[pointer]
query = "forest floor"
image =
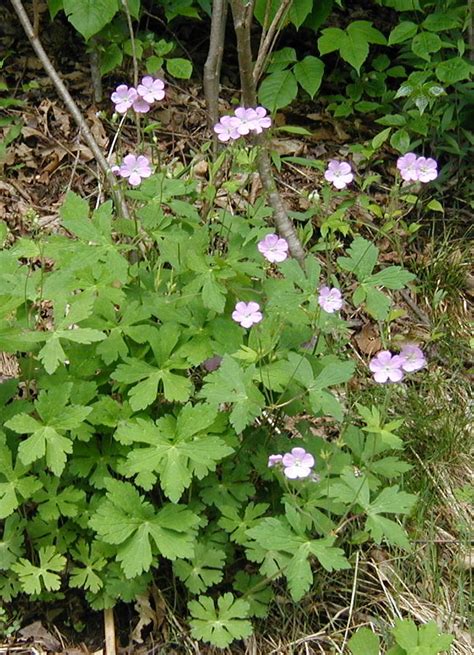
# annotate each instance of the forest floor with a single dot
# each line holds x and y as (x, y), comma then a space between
(45, 157)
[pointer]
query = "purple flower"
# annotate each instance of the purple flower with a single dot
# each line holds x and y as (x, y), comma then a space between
(386, 366)
(141, 106)
(413, 168)
(135, 168)
(273, 460)
(339, 173)
(427, 169)
(246, 120)
(330, 299)
(261, 120)
(407, 165)
(297, 464)
(247, 314)
(273, 248)
(151, 89)
(226, 128)
(123, 98)
(413, 358)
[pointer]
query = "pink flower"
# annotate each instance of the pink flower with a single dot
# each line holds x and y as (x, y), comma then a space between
(339, 173)
(273, 248)
(330, 299)
(252, 120)
(261, 120)
(123, 98)
(386, 366)
(297, 464)
(273, 460)
(151, 89)
(247, 314)
(427, 169)
(135, 168)
(413, 358)
(226, 128)
(407, 165)
(141, 106)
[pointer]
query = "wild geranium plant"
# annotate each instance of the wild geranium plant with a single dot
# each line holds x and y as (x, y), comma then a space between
(151, 437)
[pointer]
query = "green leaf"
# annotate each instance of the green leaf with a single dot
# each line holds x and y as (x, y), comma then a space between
(453, 70)
(52, 354)
(400, 140)
(426, 43)
(11, 544)
(362, 258)
(33, 578)
(90, 16)
(364, 642)
(354, 48)
(406, 634)
(222, 625)
(181, 69)
(231, 384)
(402, 32)
(391, 500)
(380, 138)
(203, 571)
(442, 21)
(125, 519)
(377, 303)
(299, 10)
(309, 74)
(278, 90)
(393, 277)
(331, 39)
(380, 527)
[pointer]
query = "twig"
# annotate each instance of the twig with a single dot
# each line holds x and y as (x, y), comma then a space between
(212, 67)
(266, 43)
(109, 630)
(126, 9)
(284, 225)
(72, 107)
(96, 77)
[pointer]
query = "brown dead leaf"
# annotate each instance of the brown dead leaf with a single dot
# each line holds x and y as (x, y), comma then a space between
(287, 146)
(368, 340)
(39, 635)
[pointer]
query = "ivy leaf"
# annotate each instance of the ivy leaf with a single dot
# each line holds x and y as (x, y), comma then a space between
(222, 625)
(125, 519)
(231, 384)
(204, 570)
(90, 16)
(33, 578)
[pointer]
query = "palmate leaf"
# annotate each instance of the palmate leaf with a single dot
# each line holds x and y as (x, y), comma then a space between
(125, 519)
(232, 384)
(86, 576)
(203, 571)
(362, 258)
(178, 449)
(275, 534)
(11, 543)
(222, 625)
(18, 486)
(34, 578)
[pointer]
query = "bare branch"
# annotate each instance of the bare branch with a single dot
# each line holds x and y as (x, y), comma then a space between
(284, 225)
(72, 107)
(212, 67)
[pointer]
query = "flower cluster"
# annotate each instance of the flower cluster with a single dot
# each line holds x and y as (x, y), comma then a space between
(392, 368)
(296, 464)
(417, 169)
(140, 99)
(244, 121)
(339, 173)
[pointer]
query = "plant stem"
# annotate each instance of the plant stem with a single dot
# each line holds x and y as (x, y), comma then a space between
(212, 67)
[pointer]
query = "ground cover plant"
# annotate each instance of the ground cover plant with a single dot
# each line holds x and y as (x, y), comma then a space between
(189, 413)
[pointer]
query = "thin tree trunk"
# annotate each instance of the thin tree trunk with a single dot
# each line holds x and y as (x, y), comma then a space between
(74, 110)
(212, 67)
